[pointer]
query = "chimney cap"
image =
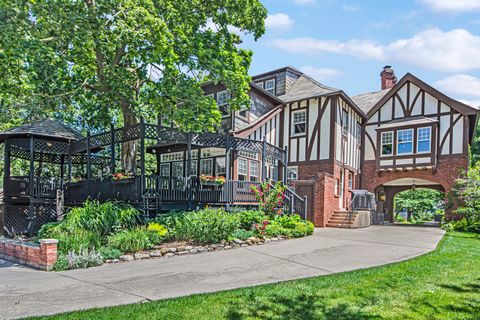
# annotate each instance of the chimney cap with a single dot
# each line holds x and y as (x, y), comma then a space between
(387, 67)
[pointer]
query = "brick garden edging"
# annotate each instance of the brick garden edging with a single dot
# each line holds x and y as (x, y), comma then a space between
(40, 256)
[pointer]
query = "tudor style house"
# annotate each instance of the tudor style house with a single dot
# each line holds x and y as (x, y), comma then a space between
(408, 134)
(325, 145)
(415, 136)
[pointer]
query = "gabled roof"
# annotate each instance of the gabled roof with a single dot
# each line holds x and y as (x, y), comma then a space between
(306, 87)
(44, 128)
(367, 101)
(456, 105)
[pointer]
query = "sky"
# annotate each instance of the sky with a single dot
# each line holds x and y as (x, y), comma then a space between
(345, 44)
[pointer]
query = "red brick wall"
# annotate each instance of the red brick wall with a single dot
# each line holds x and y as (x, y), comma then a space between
(40, 256)
(324, 174)
(447, 171)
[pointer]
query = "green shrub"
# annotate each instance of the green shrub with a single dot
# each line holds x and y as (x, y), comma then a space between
(169, 220)
(76, 240)
(62, 263)
(242, 234)
(134, 240)
(400, 219)
(206, 225)
(249, 217)
(102, 218)
(463, 225)
(275, 229)
(109, 253)
(289, 226)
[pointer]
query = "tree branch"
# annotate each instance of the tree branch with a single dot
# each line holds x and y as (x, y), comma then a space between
(119, 54)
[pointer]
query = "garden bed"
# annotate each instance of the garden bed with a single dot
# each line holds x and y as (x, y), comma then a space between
(114, 232)
(179, 249)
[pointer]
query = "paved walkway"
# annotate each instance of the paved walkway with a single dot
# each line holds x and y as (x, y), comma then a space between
(27, 292)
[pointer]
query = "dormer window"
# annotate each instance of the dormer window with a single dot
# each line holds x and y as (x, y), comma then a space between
(405, 141)
(298, 122)
(270, 86)
(423, 140)
(223, 97)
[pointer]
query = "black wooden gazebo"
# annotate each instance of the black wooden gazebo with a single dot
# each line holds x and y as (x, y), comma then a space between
(29, 196)
(84, 167)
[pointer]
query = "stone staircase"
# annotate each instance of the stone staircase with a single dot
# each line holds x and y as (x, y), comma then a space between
(342, 219)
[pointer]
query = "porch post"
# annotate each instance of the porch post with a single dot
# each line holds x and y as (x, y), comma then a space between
(6, 168)
(62, 169)
(31, 211)
(305, 207)
(89, 163)
(188, 171)
(69, 162)
(227, 170)
(142, 154)
(285, 165)
(112, 148)
(264, 156)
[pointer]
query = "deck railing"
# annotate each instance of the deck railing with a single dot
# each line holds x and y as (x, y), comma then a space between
(19, 187)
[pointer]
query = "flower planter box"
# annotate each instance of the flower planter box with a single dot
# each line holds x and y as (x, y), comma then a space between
(124, 181)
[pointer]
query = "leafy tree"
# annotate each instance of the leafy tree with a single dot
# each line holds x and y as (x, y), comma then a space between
(93, 62)
(467, 191)
(475, 149)
(418, 200)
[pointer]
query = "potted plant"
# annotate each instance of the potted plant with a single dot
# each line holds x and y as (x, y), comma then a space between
(212, 187)
(124, 177)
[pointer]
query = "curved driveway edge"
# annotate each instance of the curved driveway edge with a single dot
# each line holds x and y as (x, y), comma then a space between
(26, 292)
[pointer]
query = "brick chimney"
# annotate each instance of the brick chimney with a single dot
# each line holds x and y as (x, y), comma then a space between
(388, 77)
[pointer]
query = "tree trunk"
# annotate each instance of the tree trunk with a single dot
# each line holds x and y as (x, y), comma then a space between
(129, 148)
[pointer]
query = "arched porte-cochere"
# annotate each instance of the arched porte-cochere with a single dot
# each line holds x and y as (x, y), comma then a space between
(385, 193)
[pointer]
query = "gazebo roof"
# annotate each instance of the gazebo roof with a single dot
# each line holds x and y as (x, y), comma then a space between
(49, 128)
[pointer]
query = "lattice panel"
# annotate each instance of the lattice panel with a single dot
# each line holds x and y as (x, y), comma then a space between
(20, 143)
(94, 160)
(210, 140)
(128, 133)
(44, 157)
(247, 145)
(17, 221)
(100, 140)
(50, 146)
(151, 131)
(275, 153)
(172, 135)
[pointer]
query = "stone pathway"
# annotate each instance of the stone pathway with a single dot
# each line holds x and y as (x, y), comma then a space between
(27, 292)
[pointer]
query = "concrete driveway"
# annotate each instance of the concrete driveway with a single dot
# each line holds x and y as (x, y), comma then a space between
(26, 292)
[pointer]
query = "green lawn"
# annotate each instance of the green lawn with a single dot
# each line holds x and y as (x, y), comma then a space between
(444, 284)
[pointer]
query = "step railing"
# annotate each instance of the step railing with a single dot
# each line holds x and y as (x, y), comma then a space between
(296, 204)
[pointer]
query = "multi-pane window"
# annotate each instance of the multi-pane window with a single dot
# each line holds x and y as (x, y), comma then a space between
(206, 166)
(194, 154)
(274, 173)
(165, 169)
(346, 121)
(350, 180)
(242, 168)
(260, 84)
(212, 152)
(247, 154)
(292, 173)
(223, 97)
(177, 169)
(299, 122)
(270, 86)
(220, 167)
(175, 156)
(193, 168)
(423, 139)
(387, 143)
(254, 168)
(405, 141)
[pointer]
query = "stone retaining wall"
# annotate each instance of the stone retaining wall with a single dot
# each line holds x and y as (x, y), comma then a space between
(40, 256)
